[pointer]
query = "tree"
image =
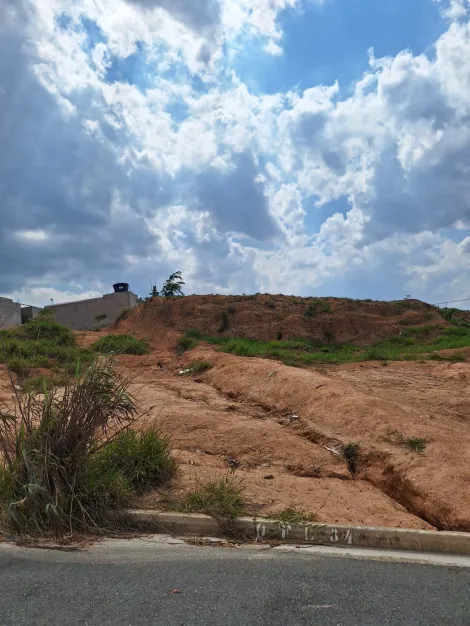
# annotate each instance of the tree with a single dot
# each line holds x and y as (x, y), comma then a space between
(154, 293)
(172, 286)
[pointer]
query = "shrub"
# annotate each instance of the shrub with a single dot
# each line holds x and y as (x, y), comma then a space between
(375, 354)
(270, 304)
(416, 444)
(327, 308)
(351, 454)
(221, 498)
(143, 458)
(279, 335)
(121, 344)
(101, 317)
(185, 343)
(457, 357)
(48, 453)
(44, 327)
(22, 366)
(311, 310)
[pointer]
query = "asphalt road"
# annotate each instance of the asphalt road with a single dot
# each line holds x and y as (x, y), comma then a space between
(130, 583)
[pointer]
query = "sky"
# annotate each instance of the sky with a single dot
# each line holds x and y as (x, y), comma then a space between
(308, 147)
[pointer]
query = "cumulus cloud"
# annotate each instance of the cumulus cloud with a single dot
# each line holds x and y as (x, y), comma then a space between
(180, 165)
(398, 148)
(203, 16)
(236, 200)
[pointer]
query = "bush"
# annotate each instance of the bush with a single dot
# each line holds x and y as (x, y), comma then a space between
(310, 311)
(185, 343)
(375, 354)
(50, 471)
(23, 366)
(44, 327)
(143, 458)
(121, 344)
(351, 454)
(219, 498)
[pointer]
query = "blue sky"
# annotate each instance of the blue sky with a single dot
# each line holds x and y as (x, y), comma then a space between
(326, 43)
(315, 147)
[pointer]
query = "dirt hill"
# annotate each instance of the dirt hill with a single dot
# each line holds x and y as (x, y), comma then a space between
(266, 317)
(287, 427)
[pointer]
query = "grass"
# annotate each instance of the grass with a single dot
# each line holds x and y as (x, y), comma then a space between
(67, 458)
(291, 515)
(413, 343)
(185, 343)
(42, 343)
(414, 444)
(222, 499)
(143, 458)
(192, 333)
(43, 384)
(121, 344)
(199, 366)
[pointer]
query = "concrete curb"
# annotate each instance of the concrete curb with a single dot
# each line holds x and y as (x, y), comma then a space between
(312, 533)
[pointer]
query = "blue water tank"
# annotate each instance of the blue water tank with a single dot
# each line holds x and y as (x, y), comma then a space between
(119, 287)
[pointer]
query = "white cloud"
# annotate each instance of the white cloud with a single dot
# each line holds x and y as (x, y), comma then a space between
(32, 235)
(192, 170)
(42, 296)
(273, 49)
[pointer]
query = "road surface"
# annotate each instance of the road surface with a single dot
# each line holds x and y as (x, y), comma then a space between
(132, 583)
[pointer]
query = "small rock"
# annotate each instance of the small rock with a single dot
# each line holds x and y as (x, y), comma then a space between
(269, 477)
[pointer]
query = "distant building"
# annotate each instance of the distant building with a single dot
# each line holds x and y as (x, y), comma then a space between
(10, 313)
(96, 312)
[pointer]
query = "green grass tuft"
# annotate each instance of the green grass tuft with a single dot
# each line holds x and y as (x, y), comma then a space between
(221, 499)
(121, 344)
(199, 366)
(414, 444)
(143, 458)
(185, 343)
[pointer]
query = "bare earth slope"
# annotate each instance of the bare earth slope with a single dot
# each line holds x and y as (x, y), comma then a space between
(284, 424)
(263, 317)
